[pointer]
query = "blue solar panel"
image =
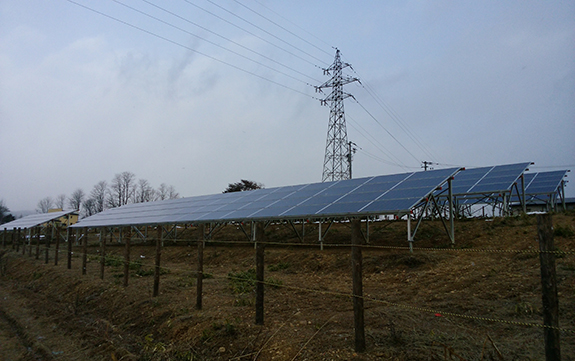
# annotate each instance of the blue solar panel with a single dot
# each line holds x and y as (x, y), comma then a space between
(487, 180)
(362, 196)
(541, 185)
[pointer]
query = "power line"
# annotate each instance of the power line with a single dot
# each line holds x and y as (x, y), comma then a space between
(263, 30)
(225, 38)
(189, 48)
(281, 27)
(252, 33)
(373, 140)
(211, 42)
(395, 117)
(387, 131)
(368, 88)
(294, 24)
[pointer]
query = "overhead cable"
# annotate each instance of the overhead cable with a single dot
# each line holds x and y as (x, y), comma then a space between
(211, 42)
(262, 29)
(387, 131)
(253, 34)
(281, 27)
(189, 48)
(375, 142)
(222, 37)
(297, 26)
(395, 117)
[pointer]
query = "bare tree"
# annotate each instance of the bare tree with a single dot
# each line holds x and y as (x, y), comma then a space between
(122, 189)
(89, 207)
(60, 201)
(45, 204)
(144, 192)
(76, 199)
(172, 194)
(166, 192)
(98, 196)
(162, 192)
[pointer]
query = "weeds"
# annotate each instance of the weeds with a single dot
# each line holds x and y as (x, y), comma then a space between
(525, 308)
(227, 328)
(245, 281)
(563, 231)
(278, 266)
(113, 261)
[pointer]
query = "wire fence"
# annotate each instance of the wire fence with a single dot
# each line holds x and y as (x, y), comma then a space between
(443, 313)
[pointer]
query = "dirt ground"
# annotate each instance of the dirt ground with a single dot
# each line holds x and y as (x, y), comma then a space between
(436, 303)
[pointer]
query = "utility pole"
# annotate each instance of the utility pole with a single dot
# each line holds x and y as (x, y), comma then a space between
(337, 160)
(350, 152)
(426, 165)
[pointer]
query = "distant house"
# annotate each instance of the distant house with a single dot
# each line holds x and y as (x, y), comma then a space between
(66, 220)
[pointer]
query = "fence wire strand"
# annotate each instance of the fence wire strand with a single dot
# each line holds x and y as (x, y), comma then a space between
(342, 294)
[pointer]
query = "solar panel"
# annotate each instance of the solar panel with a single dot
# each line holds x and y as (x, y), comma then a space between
(541, 184)
(390, 194)
(487, 180)
(34, 220)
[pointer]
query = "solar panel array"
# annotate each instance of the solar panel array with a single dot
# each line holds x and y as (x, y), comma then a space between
(541, 184)
(34, 220)
(389, 194)
(488, 180)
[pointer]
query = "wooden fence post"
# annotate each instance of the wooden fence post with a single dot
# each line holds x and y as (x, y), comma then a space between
(84, 250)
(260, 246)
(24, 241)
(47, 244)
(200, 273)
(57, 246)
(18, 239)
(356, 269)
(127, 237)
(102, 251)
(33, 233)
(38, 234)
(157, 267)
(549, 287)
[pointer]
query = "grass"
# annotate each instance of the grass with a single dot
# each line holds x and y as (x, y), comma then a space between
(245, 281)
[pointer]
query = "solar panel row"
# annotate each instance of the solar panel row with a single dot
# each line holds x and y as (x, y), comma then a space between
(34, 220)
(496, 179)
(541, 184)
(388, 194)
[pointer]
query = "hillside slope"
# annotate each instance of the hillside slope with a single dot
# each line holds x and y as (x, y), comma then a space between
(433, 304)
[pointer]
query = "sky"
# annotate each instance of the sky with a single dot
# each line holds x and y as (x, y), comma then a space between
(202, 93)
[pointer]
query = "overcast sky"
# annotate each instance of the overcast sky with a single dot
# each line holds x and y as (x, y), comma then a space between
(197, 96)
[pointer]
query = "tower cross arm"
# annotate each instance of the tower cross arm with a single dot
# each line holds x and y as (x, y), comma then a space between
(335, 96)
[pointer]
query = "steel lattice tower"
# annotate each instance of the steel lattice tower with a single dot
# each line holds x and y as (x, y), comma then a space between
(338, 152)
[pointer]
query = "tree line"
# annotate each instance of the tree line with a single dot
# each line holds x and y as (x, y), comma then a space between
(124, 188)
(5, 215)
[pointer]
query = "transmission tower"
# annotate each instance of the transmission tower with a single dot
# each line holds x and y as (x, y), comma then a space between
(337, 160)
